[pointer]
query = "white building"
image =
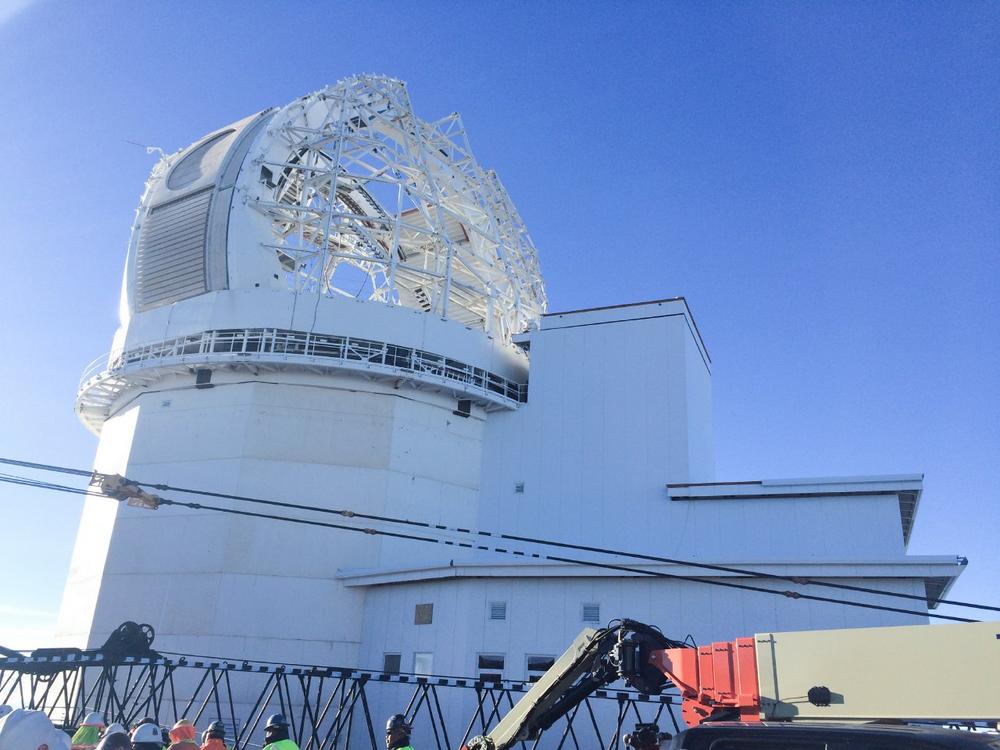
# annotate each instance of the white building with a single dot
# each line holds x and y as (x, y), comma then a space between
(374, 351)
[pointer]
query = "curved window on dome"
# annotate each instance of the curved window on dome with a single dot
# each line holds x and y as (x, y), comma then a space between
(192, 167)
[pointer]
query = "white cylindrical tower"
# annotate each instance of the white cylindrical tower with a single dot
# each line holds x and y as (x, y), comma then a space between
(318, 307)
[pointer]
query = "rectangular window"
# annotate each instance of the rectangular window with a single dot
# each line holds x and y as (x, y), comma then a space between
(591, 613)
(489, 667)
(423, 614)
(498, 610)
(537, 666)
(391, 663)
(423, 663)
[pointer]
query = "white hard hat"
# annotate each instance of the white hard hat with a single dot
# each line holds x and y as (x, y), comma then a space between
(114, 728)
(22, 729)
(93, 719)
(4, 710)
(145, 733)
(61, 741)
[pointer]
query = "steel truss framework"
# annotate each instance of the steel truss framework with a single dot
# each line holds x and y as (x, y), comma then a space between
(327, 707)
(367, 200)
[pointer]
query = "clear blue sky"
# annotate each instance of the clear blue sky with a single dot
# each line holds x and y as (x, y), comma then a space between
(820, 180)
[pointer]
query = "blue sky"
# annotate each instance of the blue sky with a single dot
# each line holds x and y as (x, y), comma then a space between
(820, 180)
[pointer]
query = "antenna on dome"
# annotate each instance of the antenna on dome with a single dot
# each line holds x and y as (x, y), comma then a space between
(149, 149)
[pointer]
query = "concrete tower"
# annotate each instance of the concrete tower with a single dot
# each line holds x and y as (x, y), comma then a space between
(319, 304)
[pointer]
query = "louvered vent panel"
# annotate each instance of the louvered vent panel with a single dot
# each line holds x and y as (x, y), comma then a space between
(498, 610)
(170, 262)
(592, 613)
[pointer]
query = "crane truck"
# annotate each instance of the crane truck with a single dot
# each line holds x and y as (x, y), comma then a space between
(887, 688)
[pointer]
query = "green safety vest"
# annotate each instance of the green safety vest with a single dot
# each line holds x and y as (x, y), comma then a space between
(282, 745)
(87, 735)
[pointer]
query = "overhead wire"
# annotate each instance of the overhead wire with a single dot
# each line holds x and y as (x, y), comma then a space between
(347, 513)
(488, 548)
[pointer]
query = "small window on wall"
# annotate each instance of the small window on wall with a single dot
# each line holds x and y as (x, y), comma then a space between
(391, 663)
(591, 613)
(423, 614)
(498, 610)
(538, 665)
(489, 667)
(423, 663)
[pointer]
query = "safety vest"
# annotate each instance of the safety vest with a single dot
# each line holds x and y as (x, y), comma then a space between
(86, 736)
(282, 745)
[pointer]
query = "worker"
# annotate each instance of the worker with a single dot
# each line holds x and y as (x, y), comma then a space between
(182, 736)
(115, 738)
(397, 733)
(276, 734)
(89, 733)
(23, 729)
(214, 737)
(147, 737)
(145, 720)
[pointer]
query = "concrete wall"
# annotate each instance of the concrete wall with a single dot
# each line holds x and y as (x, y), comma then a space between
(222, 584)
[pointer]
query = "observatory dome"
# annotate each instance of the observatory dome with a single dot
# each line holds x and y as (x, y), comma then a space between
(337, 235)
(343, 192)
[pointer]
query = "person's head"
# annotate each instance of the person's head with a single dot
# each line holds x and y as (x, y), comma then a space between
(147, 737)
(276, 729)
(165, 736)
(93, 719)
(31, 730)
(183, 731)
(114, 728)
(216, 731)
(397, 732)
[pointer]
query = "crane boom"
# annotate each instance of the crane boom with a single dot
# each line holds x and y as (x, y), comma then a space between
(916, 673)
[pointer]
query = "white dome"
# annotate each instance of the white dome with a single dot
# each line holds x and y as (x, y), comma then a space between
(344, 192)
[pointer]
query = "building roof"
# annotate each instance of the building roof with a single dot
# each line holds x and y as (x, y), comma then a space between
(938, 572)
(906, 487)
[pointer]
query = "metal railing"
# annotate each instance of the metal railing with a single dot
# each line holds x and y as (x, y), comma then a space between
(276, 345)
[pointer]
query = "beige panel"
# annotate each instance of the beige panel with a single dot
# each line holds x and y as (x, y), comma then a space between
(909, 672)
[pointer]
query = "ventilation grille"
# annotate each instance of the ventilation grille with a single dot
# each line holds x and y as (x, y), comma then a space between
(170, 260)
(498, 610)
(592, 613)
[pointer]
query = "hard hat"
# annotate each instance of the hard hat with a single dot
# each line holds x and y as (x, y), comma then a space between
(216, 729)
(4, 710)
(93, 719)
(183, 723)
(22, 728)
(114, 728)
(147, 733)
(276, 720)
(397, 721)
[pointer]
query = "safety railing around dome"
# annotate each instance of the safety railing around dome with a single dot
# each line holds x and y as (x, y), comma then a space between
(287, 345)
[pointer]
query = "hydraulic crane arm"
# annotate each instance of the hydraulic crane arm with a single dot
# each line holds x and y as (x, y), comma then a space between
(918, 673)
(595, 658)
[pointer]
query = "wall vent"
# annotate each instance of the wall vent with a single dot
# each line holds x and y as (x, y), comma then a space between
(170, 257)
(591, 613)
(498, 610)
